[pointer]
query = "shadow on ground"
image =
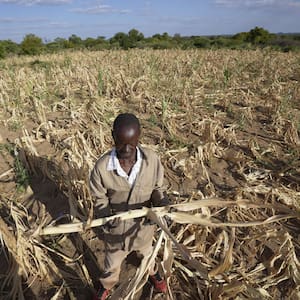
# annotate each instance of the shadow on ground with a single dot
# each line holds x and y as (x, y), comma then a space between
(81, 275)
(50, 194)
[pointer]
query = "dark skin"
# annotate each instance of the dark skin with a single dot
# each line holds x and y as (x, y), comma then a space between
(126, 139)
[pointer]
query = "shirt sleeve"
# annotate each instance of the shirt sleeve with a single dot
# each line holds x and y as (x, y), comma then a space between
(159, 195)
(98, 192)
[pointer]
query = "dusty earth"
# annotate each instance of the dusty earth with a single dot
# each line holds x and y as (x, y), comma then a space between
(233, 138)
(44, 199)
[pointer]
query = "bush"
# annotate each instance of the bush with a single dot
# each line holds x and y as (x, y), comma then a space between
(32, 45)
(2, 51)
(201, 42)
(259, 35)
(161, 44)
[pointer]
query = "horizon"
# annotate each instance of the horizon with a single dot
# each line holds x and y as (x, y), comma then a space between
(50, 19)
(46, 41)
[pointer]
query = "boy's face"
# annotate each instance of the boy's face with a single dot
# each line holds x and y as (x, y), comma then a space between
(126, 139)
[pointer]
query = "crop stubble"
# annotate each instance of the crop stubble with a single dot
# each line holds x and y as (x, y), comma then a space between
(226, 124)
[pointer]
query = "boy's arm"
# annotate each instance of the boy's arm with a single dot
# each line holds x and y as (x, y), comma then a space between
(101, 204)
(159, 196)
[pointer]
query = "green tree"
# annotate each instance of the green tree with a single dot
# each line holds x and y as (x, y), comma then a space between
(89, 42)
(2, 51)
(165, 36)
(160, 44)
(241, 37)
(96, 44)
(120, 39)
(75, 40)
(10, 47)
(135, 36)
(56, 45)
(181, 42)
(32, 45)
(201, 42)
(220, 42)
(259, 35)
(101, 43)
(157, 36)
(162, 41)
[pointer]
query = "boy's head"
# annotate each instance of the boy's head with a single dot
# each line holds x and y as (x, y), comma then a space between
(126, 132)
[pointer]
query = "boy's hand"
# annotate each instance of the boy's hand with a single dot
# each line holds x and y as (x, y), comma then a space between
(148, 222)
(113, 223)
(157, 199)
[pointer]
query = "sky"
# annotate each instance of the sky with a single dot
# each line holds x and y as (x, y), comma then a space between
(91, 18)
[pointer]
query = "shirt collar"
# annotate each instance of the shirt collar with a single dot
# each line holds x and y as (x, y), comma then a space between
(114, 164)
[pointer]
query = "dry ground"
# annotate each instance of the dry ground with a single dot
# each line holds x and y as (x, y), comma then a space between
(226, 124)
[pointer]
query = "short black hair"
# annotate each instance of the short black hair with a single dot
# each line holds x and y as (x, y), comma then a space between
(126, 119)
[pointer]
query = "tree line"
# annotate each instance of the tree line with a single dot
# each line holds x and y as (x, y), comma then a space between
(256, 37)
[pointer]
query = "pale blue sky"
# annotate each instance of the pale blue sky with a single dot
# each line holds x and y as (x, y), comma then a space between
(61, 18)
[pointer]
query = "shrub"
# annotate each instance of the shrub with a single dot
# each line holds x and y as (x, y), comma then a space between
(32, 45)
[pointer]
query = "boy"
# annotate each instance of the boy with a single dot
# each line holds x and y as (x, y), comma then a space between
(127, 177)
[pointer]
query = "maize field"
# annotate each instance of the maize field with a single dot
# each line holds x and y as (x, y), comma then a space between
(226, 124)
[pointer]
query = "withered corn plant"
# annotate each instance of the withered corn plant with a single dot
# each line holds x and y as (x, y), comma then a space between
(226, 124)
